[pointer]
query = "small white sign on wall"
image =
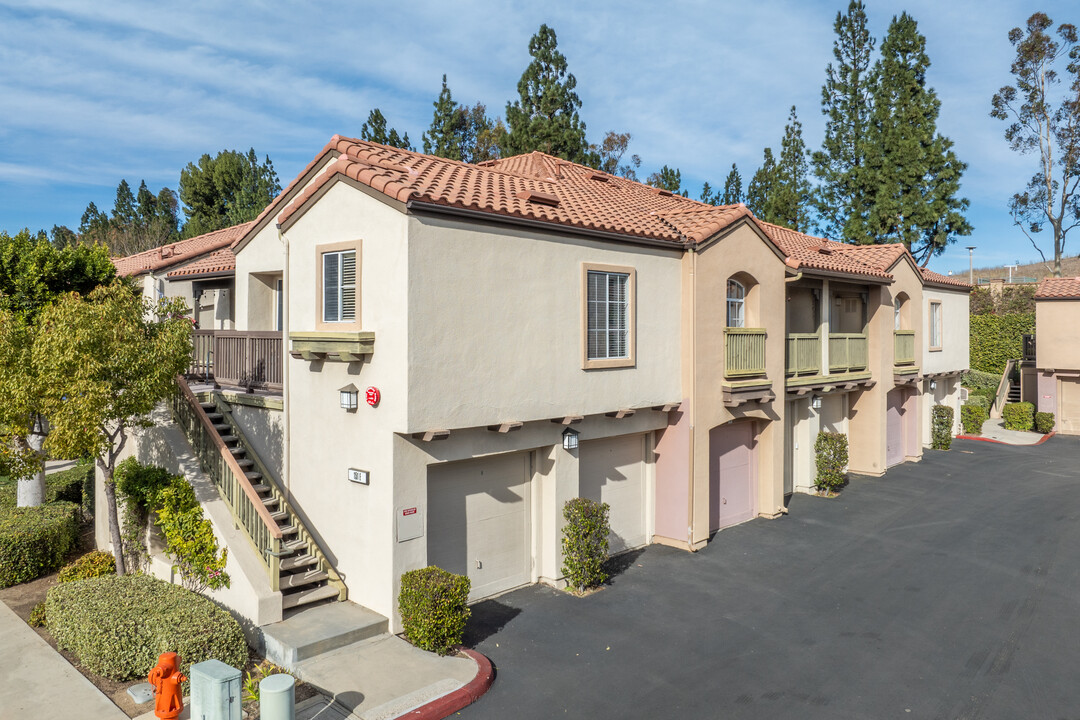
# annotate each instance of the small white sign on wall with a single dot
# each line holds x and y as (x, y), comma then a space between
(410, 523)
(363, 477)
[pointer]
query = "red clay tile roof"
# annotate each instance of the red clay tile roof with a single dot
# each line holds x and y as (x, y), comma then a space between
(1055, 288)
(814, 253)
(217, 262)
(178, 252)
(938, 279)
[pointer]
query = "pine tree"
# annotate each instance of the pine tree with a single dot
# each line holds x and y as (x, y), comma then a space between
(733, 192)
(545, 118)
(94, 226)
(123, 213)
(761, 192)
(375, 130)
(669, 179)
(840, 199)
(227, 189)
(916, 174)
(791, 196)
(449, 125)
(483, 135)
(707, 195)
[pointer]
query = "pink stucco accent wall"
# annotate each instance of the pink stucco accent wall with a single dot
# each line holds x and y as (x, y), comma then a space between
(673, 476)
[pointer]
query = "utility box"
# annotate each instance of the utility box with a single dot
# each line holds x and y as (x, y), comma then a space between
(215, 691)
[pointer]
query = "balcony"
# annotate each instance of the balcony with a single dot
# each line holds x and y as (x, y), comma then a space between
(1029, 347)
(803, 354)
(904, 347)
(744, 352)
(241, 359)
(848, 352)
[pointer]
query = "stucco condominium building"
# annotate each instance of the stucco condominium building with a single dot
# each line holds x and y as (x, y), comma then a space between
(1057, 351)
(528, 330)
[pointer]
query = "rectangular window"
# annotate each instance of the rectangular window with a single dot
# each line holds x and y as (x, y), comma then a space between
(280, 315)
(935, 326)
(339, 286)
(608, 313)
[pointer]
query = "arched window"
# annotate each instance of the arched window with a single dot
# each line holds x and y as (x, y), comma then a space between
(736, 304)
(897, 304)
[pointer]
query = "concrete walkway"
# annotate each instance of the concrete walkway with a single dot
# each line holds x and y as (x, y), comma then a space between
(37, 682)
(994, 429)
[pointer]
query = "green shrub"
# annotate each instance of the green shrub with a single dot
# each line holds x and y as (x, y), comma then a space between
(34, 541)
(138, 488)
(980, 400)
(972, 418)
(92, 564)
(996, 339)
(117, 626)
(75, 485)
(434, 608)
(978, 380)
(189, 539)
(1044, 422)
(831, 452)
(941, 427)
(585, 542)
(37, 616)
(1018, 416)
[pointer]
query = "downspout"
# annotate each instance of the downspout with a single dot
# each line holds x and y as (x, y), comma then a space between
(794, 278)
(692, 394)
(286, 455)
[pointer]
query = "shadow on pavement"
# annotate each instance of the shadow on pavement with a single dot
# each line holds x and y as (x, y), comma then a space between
(488, 618)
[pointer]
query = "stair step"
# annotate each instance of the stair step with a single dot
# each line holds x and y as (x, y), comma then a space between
(308, 596)
(312, 630)
(295, 562)
(279, 515)
(215, 416)
(227, 439)
(269, 500)
(222, 427)
(245, 462)
(253, 476)
(236, 451)
(294, 546)
(287, 529)
(290, 582)
(208, 406)
(260, 487)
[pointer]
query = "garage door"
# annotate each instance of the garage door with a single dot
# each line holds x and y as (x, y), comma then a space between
(1068, 419)
(731, 475)
(894, 428)
(612, 470)
(478, 521)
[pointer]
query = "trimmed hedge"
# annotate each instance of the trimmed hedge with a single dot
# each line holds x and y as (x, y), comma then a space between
(1018, 416)
(941, 427)
(980, 400)
(92, 564)
(585, 542)
(978, 380)
(996, 339)
(75, 485)
(434, 608)
(118, 625)
(972, 418)
(1044, 422)
(831, 451)
(34, 541)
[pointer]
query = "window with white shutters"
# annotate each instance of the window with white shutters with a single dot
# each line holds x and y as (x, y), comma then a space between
(608, 334)
(339, 286)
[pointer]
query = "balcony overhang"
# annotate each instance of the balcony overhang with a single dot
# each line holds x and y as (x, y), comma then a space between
(746, 391)
(906, 375)
(825, 384)
(331, 346)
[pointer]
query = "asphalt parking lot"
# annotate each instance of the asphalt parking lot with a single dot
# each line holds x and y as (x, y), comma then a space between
(948, 588)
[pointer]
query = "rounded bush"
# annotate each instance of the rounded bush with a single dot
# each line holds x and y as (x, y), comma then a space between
(585, 542)
(972, 418)
(980, 400)
(117, 626)
(34, 541)
(1018, 416)
(831, 451)
(1044, 422)
(941, 427)
(434, 608)
(91, 565)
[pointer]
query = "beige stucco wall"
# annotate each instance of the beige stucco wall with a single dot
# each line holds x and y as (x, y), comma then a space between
(955, 333)
(1057, 342)
(945, 392)
(495, 326)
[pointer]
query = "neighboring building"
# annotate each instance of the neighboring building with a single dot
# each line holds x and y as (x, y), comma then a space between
(1057, 351)
(529, 330)
(946, 346)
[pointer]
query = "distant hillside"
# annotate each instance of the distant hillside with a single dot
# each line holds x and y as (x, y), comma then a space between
(1070, 267)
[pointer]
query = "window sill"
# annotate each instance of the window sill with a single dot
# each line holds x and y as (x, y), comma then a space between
(607, 363)
(331, 346)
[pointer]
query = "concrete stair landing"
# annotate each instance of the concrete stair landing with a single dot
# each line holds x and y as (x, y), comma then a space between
(313, 630)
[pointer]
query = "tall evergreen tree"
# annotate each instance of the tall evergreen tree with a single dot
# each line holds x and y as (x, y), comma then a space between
(733, 191)
(707, 195)
(761, 192)
(230, 188)
(915, 173)
(123, 213)
(94, 226)
(845, 101)
(449, 124)
(483, 135)
(791, 196)
(375, 130)
(545, 118)
(669, 179)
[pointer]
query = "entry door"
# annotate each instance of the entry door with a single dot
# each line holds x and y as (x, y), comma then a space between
(731, 475)
(797, 451)
(894, 428)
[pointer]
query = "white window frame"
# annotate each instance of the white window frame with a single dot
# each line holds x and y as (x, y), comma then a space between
(617, 313)
(736, 303)
(936, 339)
(339, 287)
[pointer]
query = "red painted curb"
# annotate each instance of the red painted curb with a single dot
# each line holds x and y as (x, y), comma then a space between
(450, 703)
(1043, 439)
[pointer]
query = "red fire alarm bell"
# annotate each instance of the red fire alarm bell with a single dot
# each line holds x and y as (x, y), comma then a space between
(372, 396)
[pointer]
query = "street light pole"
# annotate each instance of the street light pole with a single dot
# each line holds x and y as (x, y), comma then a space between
(971, 266)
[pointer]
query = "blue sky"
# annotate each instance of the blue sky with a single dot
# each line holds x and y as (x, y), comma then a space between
(92, 92)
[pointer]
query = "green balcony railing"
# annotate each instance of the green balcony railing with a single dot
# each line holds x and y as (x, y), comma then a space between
(744, 352)
(803, 354)
(904, 347)
(848, 352)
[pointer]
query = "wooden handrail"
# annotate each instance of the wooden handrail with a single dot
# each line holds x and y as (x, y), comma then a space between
(241, 477)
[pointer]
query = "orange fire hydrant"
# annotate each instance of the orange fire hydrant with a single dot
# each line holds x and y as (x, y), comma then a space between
(166, 679)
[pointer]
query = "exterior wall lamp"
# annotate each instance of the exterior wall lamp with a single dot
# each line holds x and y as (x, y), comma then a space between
(815, 402)
(349, 397)
(570, 439)
(933, 384)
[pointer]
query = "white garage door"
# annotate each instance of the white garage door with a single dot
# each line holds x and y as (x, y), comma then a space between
(478, 521)
(612, 470)
(1068, 420)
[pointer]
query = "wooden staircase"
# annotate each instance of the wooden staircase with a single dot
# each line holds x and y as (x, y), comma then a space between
(296, 565)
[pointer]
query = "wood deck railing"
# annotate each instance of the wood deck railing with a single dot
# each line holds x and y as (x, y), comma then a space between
(803, 353)
(249, 359)
(848, 352)
(744, 352)
(218, 463)
(904, 347)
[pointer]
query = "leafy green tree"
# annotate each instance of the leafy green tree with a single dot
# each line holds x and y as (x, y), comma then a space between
(375, 130)
(841, 196)
(225, 190)
(545, 118)
(667, 179)
(62, 236)
(33, 272)
(610, 152)
(733, 190)
(1047, 124)
(761, 192)
(483, 135)
(915, 173)
(105, 360)
(791, 198)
